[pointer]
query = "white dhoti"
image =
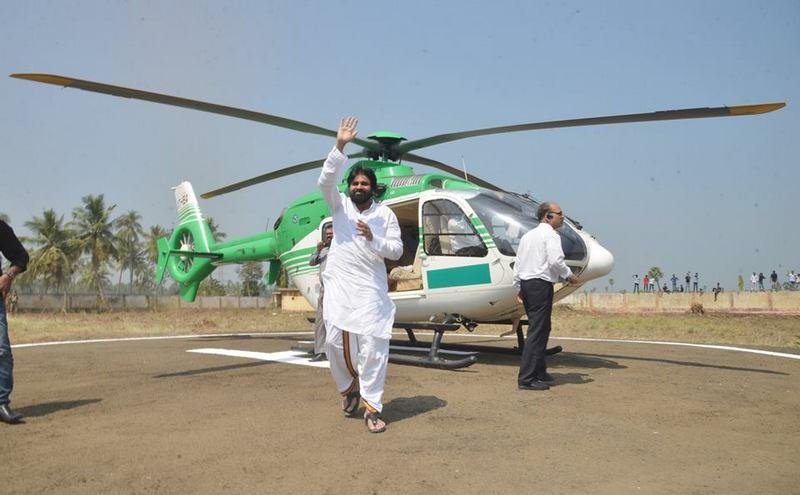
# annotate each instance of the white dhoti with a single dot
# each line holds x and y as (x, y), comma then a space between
(357, 310)
(358, 362)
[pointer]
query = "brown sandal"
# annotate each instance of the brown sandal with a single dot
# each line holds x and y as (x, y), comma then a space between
(371, 419)
(350, 404)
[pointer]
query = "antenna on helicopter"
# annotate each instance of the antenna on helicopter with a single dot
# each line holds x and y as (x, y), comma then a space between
(464, 166)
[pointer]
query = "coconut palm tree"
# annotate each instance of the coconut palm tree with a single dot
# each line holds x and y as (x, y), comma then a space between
(155, 233)
(146, 272)
(214, 228)
(214, 287)
(130, 254)
(54, 257)
(93, 226)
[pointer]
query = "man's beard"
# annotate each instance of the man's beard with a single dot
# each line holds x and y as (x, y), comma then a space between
(360, 197)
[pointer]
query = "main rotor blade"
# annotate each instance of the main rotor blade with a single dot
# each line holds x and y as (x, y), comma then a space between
(277, 174)
(447, 168)
(294, 169)
(202, 106)
(688, 113)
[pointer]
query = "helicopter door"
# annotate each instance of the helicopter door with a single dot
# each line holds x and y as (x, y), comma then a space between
(405, 273)
(453, 255)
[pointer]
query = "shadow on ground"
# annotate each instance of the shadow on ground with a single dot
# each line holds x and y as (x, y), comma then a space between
(214, 369)
(51, 407)
(402, 408)
(678, 363)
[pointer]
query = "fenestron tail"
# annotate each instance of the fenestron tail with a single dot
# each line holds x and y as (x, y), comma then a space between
(187, 254)
(191, 253)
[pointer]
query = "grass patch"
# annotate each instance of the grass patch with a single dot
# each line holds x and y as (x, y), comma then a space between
(49, 327)
(765, 330)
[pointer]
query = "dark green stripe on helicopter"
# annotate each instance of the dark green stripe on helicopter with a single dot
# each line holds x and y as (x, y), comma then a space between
(459, 276)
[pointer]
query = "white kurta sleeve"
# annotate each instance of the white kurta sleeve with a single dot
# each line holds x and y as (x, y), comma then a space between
(329, 177)
(389, 246)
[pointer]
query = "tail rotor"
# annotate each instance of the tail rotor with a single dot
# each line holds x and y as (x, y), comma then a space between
(187, 253)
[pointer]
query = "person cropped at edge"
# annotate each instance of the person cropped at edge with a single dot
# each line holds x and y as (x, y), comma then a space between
(357, 309)
(14, 252)
(319, 258)
(539, 264)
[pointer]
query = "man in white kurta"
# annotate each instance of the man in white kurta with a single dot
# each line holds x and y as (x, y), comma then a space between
(357, 310)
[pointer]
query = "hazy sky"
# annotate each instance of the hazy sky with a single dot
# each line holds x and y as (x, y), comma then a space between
(718, 196)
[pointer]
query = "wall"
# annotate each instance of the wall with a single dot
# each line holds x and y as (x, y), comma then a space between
(779, 302)
(290, 300)
(54, 302)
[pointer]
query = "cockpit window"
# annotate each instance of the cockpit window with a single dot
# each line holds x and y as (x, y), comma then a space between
(508, 217)
(446, 231)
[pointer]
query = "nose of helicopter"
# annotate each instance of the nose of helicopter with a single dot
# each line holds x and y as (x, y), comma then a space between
(600, 263)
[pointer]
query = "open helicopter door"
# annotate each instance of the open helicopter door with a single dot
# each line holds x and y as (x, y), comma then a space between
(457, 264)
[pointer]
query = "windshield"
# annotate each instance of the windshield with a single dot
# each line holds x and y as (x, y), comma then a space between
(509, 216)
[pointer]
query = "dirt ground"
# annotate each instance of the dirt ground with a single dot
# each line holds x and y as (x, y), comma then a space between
(149, 417)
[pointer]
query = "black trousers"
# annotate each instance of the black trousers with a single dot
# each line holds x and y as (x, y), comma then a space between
(537, 298)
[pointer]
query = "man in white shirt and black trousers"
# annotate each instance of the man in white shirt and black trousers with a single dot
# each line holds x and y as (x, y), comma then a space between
(539, 264)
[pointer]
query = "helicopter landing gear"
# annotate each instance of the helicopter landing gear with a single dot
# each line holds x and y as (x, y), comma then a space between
(432, 359)
(517, 328)
(432, 351)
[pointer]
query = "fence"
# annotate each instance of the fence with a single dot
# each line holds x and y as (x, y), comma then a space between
(787, 302)
(77, 302)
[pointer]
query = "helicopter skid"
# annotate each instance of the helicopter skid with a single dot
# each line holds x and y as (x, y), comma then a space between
(470, 348)
(432, 359)
(434, 362)
(438, 362)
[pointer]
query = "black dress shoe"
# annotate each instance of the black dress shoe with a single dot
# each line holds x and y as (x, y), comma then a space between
(8, 415)
(319, 357)
(534, 385)
(545, 377)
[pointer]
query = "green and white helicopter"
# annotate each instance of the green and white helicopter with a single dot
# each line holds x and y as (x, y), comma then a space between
(459, 232)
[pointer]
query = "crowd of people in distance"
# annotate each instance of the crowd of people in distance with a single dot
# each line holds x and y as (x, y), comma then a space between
(651, 284)
(758, 282)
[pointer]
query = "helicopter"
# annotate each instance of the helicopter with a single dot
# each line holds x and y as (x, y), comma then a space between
(459, 232)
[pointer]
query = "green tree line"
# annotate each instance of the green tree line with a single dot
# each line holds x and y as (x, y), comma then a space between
(82, 253)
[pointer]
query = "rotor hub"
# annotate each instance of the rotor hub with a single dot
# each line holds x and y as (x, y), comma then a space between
(388, 141)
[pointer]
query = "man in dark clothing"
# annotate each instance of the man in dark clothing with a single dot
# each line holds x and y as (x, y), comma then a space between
(14, 252)
(320, 257)
(716, 290)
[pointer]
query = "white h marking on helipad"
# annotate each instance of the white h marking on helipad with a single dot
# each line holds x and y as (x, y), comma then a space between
(288, 357)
